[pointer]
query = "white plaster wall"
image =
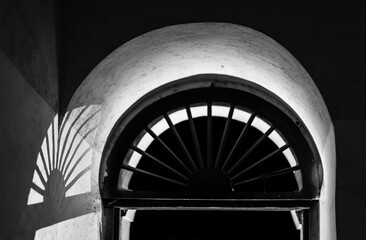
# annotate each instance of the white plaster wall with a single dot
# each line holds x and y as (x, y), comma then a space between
(82, 228)
(172, 53)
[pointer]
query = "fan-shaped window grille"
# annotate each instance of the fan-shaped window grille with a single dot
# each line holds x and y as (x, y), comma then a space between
(213, 145)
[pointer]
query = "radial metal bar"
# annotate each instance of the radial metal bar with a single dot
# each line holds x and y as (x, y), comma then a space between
(136, 170)
(251, 149)
(209, 134)
(238, 141)
(268, 175)
(194, 136)
(180, 141)
(266, 158)
(224, 137)
(154, 159)
(168, 149)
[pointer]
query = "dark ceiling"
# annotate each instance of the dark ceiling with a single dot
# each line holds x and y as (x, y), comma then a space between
(328, 39)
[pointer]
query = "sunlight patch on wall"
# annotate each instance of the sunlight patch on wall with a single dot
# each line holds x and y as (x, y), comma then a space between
(65, 156)
(82, 227)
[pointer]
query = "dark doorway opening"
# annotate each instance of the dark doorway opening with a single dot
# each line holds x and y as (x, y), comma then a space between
(212, 225)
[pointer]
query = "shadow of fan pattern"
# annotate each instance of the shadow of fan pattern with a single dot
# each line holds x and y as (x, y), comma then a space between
(64, 161)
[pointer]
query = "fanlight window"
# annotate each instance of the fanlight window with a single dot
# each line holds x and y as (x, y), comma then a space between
(211, 147)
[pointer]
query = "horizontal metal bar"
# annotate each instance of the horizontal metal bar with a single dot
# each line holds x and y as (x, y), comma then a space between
(227, 196)
(254, 204)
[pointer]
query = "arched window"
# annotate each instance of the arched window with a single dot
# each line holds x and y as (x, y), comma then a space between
(211, 147)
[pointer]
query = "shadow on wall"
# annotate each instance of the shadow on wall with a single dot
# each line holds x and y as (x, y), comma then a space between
(61, 184)
(44, 173)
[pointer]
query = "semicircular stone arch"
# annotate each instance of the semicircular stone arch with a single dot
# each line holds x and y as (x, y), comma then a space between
(165, 55)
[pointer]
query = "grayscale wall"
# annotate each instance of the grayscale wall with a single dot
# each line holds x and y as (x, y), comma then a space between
(47, 48)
